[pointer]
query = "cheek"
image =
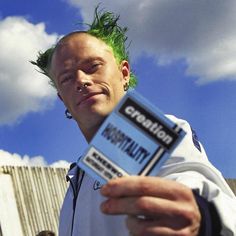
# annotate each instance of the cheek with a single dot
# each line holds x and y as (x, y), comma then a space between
(65, 98)
(117, 81)
(112, 75)
(118, 91)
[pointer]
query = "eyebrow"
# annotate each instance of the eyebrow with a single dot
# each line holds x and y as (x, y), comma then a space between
(80, 62)
(90, 59)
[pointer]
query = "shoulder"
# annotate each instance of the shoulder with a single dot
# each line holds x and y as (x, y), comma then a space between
(188, 163)
(190, 144)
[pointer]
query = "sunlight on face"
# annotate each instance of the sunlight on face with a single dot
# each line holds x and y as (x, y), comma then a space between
(82, 58)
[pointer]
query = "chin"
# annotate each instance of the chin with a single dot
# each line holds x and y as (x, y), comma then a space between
(101, 111)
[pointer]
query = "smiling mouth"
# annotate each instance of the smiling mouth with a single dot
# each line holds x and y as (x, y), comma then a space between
(87, 97)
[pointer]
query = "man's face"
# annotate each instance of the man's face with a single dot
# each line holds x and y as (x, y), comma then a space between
(83, 59)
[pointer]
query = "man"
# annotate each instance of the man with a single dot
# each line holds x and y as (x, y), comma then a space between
(91, 73)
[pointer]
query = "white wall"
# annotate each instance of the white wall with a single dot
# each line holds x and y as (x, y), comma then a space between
(9, 217)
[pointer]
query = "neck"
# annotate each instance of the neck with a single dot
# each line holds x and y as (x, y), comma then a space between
(90, 131)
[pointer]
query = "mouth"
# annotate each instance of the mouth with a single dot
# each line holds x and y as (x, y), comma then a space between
(89, 97)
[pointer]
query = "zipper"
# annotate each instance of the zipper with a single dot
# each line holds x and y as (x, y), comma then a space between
(76, 190)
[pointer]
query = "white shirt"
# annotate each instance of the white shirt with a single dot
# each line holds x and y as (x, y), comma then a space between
(188, 165)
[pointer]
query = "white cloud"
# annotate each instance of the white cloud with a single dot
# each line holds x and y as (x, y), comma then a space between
(22, 88)
(14, 159)
(201, 32)
(61, 164)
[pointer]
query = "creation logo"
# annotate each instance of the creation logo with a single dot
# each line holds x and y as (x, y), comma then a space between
(148, 123)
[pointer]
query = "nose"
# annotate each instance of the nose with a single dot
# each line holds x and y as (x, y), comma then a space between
(82, 80)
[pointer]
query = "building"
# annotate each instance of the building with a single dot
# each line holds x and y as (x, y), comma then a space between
(232, 184)
(30, 199)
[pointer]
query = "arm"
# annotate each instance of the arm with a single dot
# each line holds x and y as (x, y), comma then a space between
(168, 204)
(210, 222)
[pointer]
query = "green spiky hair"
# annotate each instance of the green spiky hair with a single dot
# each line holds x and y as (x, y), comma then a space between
(43, 62)
(104, 27)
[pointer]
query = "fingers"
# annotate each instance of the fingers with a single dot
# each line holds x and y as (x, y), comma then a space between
(142, 227)
(148, 206)
(152, 208)
(146, 186)
(155, 206)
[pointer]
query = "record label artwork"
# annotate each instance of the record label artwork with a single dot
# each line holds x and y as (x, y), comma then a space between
(135, 139)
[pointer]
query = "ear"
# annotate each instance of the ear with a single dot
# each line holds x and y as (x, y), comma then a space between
(125, 70)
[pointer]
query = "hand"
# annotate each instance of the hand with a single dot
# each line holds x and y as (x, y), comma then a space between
(154, 206)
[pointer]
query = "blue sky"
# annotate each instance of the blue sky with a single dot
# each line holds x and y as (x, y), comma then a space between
(183, 53)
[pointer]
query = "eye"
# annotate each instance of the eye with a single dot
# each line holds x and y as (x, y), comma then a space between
(66, 79)
(94, 66)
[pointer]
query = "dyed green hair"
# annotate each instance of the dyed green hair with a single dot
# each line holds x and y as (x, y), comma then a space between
(104, 27)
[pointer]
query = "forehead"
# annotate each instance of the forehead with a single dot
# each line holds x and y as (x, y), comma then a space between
(80, 44)
(77, 47)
